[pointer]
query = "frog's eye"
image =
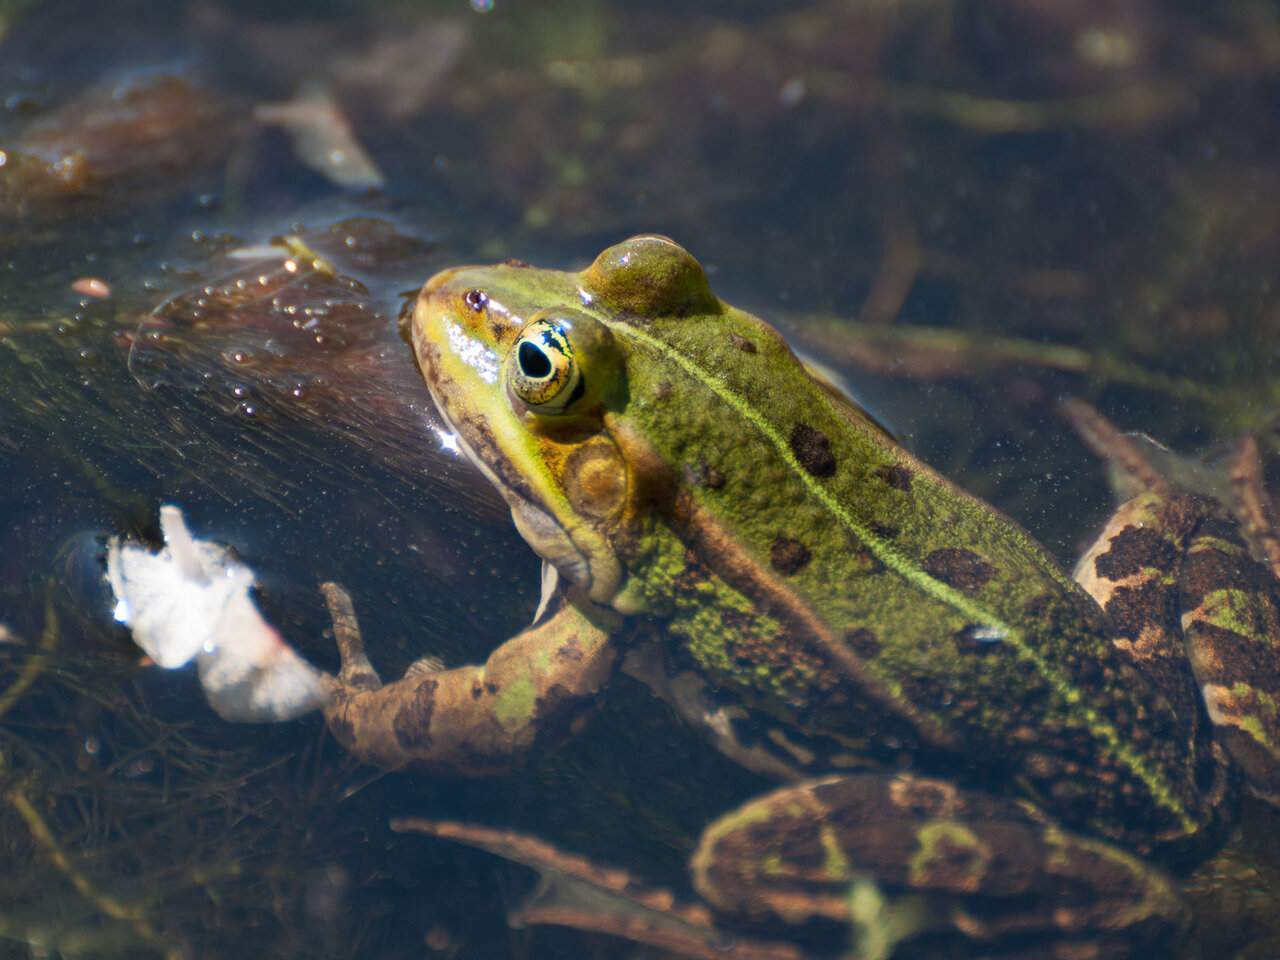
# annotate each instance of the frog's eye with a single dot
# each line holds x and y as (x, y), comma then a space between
(541, 369)
(564, 362)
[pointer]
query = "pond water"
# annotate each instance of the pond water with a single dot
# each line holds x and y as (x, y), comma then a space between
(964, 209)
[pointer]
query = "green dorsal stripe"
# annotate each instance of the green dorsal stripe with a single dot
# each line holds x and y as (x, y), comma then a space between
(883, 551)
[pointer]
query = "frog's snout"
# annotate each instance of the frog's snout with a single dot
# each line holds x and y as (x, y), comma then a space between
(438, 280)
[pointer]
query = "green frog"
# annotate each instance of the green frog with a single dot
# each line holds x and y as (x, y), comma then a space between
(956, 722)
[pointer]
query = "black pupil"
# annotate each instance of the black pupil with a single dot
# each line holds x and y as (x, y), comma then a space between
(533, 361)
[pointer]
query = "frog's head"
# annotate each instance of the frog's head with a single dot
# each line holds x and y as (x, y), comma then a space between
(524, 365)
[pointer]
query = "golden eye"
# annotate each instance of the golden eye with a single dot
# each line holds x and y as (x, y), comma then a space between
(541, 369)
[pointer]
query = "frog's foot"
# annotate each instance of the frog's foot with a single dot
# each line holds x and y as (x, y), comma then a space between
(478, 719)
(573, 892)
(1190, 601)
(356, 670)
(903, 857)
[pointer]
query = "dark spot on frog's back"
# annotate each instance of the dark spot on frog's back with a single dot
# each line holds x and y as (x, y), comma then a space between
(742, 343)
(863, 642)
(788, 556)
(413, 720)
(925, 693)
(959, 568)
(895, 475)
(812, 448)
(1134, 548)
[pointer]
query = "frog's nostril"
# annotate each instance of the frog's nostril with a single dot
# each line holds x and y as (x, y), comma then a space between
(475, 299)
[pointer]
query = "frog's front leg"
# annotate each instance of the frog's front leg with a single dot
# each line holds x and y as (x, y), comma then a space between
(527, 698)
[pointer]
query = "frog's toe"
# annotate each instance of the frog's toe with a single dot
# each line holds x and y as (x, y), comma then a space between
(357, 672)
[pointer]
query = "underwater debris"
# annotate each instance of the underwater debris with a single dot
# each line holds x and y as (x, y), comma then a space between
(191, 601)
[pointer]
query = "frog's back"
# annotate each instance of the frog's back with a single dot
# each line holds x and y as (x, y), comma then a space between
(831, 579)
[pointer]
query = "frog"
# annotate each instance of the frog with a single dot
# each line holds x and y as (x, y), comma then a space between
(964, 734)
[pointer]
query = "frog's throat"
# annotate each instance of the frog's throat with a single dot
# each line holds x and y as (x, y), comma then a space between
(596, 572)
